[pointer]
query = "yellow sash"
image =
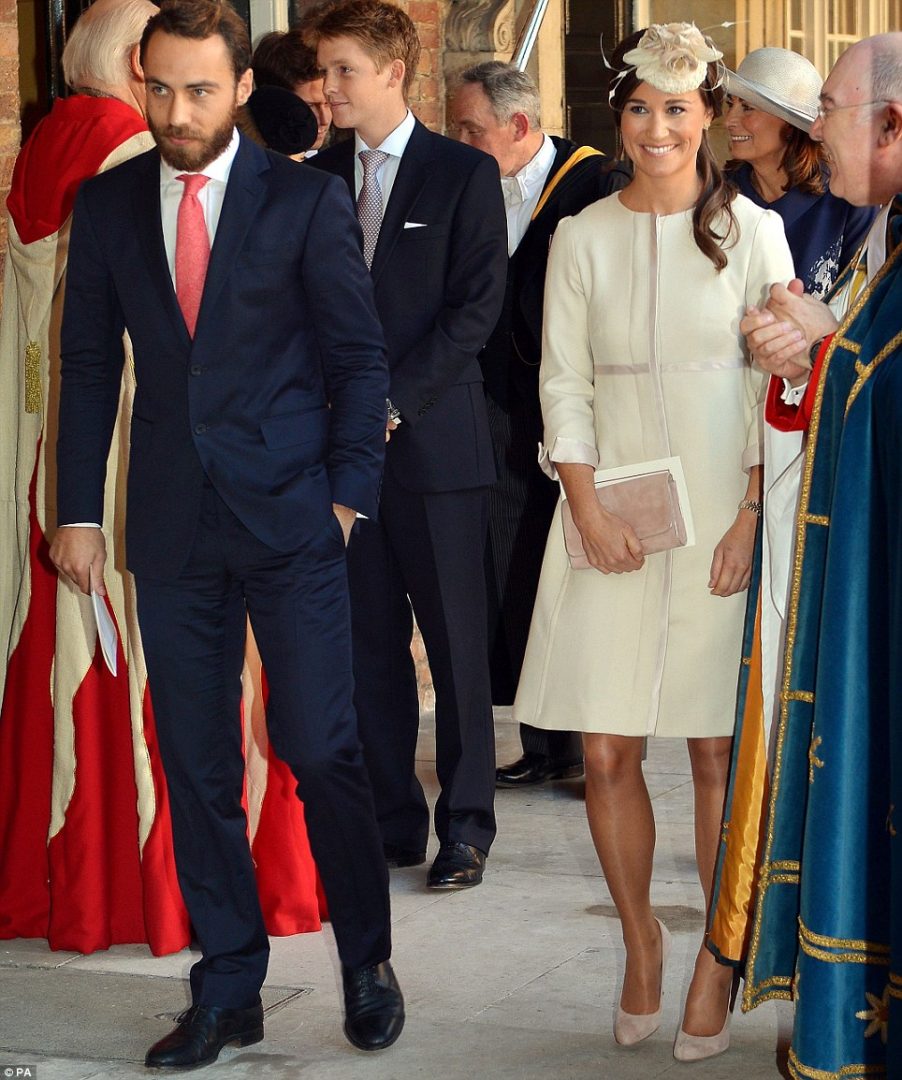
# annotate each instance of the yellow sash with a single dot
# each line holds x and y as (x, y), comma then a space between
(575, 158)
(731, 922)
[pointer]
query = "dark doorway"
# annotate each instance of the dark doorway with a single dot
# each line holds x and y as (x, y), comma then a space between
(585, 76)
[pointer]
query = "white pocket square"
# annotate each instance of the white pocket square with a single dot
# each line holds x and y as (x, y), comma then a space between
(414, 224)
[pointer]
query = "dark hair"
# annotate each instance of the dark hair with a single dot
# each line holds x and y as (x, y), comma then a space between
(383, 31)
(717, 192)
(199, 20)
(284, 59)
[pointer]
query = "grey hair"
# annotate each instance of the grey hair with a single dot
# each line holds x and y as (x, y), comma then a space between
(886, 67)
(100, 45)
(508, 89)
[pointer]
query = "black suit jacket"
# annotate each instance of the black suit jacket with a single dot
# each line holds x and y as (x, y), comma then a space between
(280, 397)
(511, 359)
(439, 287)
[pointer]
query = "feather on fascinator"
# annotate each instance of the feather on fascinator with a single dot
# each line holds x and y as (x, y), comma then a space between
(671, 57)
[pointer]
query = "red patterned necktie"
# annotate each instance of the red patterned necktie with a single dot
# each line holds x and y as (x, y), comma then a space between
(192, 249)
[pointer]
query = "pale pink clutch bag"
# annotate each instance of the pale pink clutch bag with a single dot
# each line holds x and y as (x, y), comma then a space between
(649, 502)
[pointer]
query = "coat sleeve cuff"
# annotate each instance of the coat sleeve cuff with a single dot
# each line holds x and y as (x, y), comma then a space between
(569, 451)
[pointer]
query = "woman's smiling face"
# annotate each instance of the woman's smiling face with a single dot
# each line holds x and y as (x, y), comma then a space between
(755, 135)
(662, 132)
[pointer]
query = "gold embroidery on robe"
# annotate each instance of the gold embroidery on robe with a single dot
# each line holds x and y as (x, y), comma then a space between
(34, 397)
(877, 1015)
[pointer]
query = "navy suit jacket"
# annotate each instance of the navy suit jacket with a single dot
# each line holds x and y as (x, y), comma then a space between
(439, 290)
(279, 399)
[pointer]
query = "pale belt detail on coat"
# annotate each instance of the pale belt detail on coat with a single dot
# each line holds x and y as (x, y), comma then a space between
(728, 364)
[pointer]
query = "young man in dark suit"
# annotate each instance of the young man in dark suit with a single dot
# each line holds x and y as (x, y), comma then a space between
(495, 107)
(257, 434)
(434, 234)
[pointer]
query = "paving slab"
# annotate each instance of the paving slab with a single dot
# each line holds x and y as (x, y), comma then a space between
(515, 980)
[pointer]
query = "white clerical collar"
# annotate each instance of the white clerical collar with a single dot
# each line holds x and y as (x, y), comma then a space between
(218, 169)
(531, 178)
(394, 144)
(876, 241)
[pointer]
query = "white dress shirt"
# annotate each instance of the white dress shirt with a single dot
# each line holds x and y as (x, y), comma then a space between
(210, 196)
(394, 145)
(523, 190)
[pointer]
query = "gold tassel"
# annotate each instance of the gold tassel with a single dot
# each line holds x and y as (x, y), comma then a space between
(33, 395)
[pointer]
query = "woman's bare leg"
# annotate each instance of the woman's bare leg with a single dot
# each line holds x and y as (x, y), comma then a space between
(708, 997)
(623, 830)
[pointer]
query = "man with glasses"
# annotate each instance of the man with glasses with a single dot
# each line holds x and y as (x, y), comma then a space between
(828, 921)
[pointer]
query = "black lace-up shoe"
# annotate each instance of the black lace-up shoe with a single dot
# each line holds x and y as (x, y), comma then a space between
(202, 1032)
(374, 1007)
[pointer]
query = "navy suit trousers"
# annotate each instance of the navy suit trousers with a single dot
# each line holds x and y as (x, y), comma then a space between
(193, 631)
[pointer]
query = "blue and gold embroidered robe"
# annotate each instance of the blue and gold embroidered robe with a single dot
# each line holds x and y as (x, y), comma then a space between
(827, 925)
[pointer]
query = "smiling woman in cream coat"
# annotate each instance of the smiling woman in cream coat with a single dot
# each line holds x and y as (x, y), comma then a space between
(643, 359)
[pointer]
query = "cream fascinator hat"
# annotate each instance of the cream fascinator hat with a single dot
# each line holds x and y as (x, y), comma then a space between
(781, 83)
(671, 57)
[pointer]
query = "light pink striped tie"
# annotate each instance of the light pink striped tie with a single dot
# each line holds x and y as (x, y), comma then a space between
(192, 249)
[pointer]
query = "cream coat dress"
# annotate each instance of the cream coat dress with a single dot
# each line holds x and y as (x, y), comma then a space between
(642, 359)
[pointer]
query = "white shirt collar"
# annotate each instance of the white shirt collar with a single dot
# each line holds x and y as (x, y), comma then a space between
(218, 169)
(395, 143)
(531, 178)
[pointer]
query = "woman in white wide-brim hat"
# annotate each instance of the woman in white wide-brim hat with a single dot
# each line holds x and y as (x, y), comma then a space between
(772, 101)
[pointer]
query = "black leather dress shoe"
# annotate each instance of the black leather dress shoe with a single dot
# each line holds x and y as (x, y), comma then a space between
(202, 1032)
(396, 857)
(536, 769)
(374, 1006)
(457, 866)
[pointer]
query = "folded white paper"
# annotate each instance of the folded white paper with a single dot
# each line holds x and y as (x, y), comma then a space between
(106, 628)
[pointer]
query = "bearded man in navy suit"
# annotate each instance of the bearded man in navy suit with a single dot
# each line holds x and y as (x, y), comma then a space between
(257, 435)
(436, 237)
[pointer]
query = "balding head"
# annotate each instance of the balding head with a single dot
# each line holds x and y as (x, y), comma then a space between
(100, 52)
(861, 121)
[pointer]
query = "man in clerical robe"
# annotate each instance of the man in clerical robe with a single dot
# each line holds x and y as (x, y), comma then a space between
(827, 924)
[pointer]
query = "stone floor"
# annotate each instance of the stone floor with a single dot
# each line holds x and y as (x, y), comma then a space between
(514, 980)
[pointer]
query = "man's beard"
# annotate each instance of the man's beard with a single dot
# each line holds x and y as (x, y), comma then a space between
(192, 158)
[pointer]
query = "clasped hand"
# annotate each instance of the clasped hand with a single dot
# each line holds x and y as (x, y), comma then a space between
(610, 543)
(780, 336)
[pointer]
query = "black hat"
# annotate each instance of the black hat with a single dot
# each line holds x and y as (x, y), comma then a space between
(286, 123)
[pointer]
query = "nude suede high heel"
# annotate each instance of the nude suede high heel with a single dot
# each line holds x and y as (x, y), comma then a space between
(632, 1028)
(698, 1047)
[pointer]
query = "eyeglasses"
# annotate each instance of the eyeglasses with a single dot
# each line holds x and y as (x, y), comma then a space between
(823, 113)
